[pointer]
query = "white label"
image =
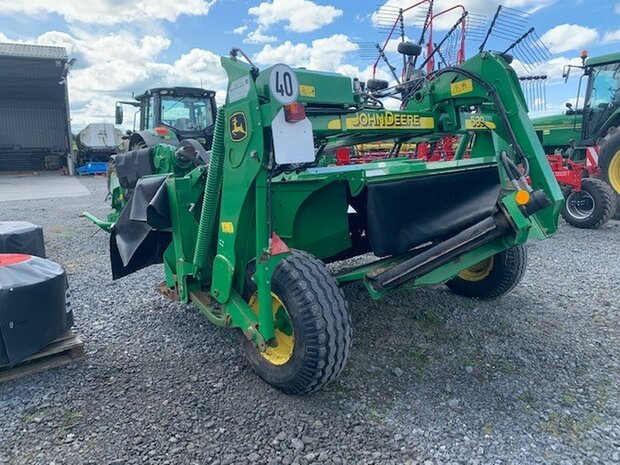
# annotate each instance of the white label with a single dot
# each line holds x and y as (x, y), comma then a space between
(68, 301)
(238, 89)
(283, 84)
(292, 142)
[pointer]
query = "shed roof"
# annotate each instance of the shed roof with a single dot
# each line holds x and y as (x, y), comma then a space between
(33, 51)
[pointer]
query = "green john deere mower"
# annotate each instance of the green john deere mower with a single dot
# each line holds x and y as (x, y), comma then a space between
(245, 230)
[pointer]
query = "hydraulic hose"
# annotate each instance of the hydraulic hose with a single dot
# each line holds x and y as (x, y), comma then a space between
(211, 198)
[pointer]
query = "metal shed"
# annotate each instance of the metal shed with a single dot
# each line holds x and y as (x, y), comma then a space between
(35, 130)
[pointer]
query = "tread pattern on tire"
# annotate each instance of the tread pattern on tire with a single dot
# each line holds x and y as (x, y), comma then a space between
(605, 205)
(325, 317)
(512, 264)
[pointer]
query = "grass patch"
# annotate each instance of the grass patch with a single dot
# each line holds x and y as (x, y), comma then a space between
(560, 423)
(568, 400)
(431, 318)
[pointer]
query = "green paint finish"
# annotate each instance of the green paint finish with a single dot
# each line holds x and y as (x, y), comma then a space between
(312, 216)
(556, 131)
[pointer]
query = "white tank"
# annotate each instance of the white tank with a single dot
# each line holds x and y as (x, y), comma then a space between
(99, 137)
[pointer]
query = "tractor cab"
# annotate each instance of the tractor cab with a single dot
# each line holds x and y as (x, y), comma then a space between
(170, 115)
(602, 101)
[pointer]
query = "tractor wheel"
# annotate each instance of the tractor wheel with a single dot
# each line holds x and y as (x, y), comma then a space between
(493, 277)
(313, 327)
(609, 162)
(591, 207)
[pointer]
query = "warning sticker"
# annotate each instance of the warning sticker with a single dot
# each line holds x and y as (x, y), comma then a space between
(389, 120)
(227, 227)
(307, 91)
(461, 87)
(238, 89)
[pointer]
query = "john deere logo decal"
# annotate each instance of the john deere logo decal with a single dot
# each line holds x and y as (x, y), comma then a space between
(238, 126)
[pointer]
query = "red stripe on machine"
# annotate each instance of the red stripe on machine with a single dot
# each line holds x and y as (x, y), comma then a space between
(592, 155)
(7, 259)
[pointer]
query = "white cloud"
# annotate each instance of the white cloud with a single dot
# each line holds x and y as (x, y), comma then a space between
(325, 54)
(568, 37)
(293, 54)
(552, 68)
(612, 36)
(617, 9)
(240, 29)
(301, 15)
(108, 12)
(111, 67)
(258, 36)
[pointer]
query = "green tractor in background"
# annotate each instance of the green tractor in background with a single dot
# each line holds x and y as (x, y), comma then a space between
(176, 116)
(584, 144)
(169, 115)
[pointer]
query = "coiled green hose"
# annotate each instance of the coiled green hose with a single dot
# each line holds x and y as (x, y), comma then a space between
(211, 198)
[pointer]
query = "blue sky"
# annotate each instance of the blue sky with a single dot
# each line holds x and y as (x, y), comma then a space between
(124, 46)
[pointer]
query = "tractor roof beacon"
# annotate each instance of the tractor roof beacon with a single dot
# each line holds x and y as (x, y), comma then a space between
(245, 233)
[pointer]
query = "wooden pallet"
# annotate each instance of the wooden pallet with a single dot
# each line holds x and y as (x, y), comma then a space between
(62, 351)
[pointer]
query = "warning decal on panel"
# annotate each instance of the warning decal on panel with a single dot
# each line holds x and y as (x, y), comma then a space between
(227, 227)
(462, 87)
(389, 120)
(238, 89)
(238, 126)
(307, 91)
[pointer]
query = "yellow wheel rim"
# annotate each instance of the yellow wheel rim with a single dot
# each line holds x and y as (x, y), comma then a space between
(477, 272)
(613, 172)
(282, 351)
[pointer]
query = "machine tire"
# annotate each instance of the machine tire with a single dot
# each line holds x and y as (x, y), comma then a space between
(609, 162)
(321, 326)
(501, 274)
(599, 207)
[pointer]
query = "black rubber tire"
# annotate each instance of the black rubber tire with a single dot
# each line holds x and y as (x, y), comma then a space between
(322, 327)
(507, 271)
(610, 149)
(604, 205)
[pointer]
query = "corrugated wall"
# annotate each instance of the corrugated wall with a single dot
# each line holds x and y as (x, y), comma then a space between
(33, 112)
(32, 125)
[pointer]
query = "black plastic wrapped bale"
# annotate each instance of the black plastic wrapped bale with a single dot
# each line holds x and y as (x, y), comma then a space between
(34, 307)
(21, 237)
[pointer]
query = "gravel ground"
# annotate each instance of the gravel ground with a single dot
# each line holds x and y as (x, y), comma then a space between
(433, 378)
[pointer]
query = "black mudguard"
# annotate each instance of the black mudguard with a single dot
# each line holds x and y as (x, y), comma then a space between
(151, 139)
(137, 240)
